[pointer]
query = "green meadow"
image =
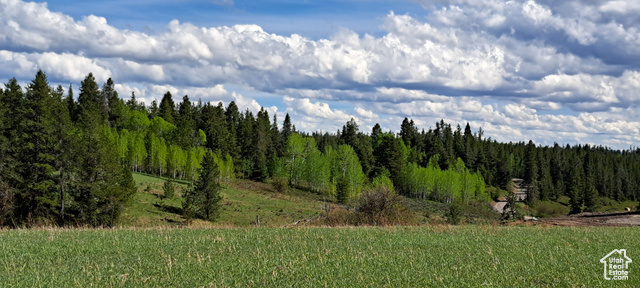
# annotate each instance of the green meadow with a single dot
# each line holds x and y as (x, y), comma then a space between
(242, 202)
(435, 256)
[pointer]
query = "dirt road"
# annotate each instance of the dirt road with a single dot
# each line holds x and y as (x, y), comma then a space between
(622, 219)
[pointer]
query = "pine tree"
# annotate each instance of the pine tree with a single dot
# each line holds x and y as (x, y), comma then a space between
(65, 151)
(408, 132)
(214, 124)
(576, 190)
(37, 197)
(262, 146)
(91, 112)
(246, 134)
(390, 156)
(110, 101)
(232, 117)
(349, 133)
(167, 109)
(169, 189)
(376, 133)
(7, 163)
(104, 185)
(590, 199)
(72, 106)
(510, 210)
(278, 142)
(205, 196)
(286, 127)
(12, 101)
(186, 133)
(364, 149)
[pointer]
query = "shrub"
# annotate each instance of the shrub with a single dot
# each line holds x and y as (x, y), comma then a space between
(550, 209)
(169, 189)
(495, 192)
(454, 214)
(606, 204)
(280, 184)
(476, 212)
(339, 216)
(382, 207)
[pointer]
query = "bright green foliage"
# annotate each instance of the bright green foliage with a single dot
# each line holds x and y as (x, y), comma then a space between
(157, 153)
(138, 121)
(296, 156)
(382, 182)
(176, 161)
(346, 173)
(50, 146)
(123, 144)
(192, 162)
(457, 183)
(136, 151)
(306, 166)
(161, 128)
(316, 170)
(336, 173)
(225, 168)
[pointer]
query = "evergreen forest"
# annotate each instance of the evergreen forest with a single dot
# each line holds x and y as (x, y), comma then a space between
(68, 161)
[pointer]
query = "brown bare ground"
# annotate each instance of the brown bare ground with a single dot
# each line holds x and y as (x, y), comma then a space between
(620, 219)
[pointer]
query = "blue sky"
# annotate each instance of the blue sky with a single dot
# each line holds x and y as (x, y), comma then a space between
(549, 71)
(313, 19)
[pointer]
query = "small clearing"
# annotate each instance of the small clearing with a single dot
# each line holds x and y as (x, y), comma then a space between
(621, 219)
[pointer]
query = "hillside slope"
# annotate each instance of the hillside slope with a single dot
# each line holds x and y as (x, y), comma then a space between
(242, 202)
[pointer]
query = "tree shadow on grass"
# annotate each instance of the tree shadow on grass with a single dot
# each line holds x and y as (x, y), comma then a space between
(169, 209)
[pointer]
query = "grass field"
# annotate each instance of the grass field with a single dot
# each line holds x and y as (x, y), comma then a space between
(437, 256)
(157, 253)
(242, 203)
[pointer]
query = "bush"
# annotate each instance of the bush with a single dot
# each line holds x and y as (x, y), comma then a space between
(564, 200)
(339, 216)
(609, 205)
(280, 184)
(550, 209)
(169, 189)
(382, 207)
(476, 212)
(495, 192)
(454, 214)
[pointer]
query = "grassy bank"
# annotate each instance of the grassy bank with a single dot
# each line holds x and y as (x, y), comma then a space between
(242, 202)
